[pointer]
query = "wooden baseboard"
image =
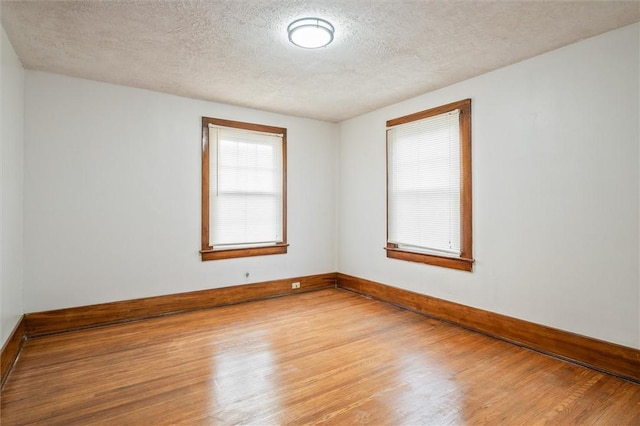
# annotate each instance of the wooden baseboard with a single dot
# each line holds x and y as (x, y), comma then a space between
(61, 320)
(11, 350)
(604, 356)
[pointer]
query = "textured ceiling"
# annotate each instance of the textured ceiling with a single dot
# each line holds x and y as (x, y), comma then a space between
(237, 51)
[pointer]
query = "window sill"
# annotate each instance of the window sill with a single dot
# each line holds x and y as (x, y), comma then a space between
(460, 263)
(212, 254)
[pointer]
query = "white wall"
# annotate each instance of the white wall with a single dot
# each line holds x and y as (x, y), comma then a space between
(11, 187)
(112, 195)
(555, 192)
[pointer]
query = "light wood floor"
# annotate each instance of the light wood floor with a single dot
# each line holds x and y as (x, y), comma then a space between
(323, 357)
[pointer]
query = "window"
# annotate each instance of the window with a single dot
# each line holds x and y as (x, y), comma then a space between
(243, 189)
(429, 186)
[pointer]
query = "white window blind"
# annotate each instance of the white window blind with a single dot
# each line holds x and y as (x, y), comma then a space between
(424, 184)
(246, 173)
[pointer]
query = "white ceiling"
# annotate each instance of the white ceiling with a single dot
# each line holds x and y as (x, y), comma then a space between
(237, 52)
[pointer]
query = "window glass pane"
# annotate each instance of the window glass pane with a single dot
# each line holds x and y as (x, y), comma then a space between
(246, 178)
(424, 184)
(246, 220)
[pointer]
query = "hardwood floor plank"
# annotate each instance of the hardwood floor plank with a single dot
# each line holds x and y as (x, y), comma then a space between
(324, 357)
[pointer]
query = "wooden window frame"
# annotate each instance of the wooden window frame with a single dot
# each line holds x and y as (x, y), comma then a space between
(207, 251)
(465, 260)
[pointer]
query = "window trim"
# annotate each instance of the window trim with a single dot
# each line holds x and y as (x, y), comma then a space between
(465, 260)
(207, 252)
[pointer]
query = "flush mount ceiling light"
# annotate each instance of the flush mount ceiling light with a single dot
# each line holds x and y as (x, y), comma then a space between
(310, 33)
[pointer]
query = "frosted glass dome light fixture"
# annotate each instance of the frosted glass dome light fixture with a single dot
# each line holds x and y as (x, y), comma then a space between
(310, 33)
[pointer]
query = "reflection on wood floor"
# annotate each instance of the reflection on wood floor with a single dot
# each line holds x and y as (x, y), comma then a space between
(322, 357)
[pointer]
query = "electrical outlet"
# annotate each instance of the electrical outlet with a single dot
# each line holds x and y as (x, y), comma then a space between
(295, 285)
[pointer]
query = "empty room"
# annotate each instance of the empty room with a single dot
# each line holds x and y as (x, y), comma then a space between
(346, 212)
